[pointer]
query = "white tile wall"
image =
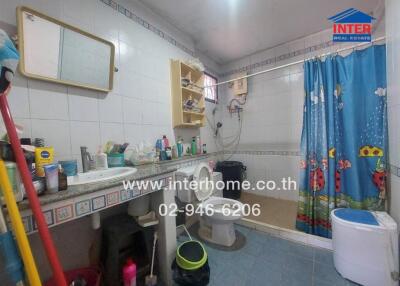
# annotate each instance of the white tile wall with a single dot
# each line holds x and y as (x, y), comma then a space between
(273, 114)
(137, 109)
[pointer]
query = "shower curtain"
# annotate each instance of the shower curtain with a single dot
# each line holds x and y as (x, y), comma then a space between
(344, 137)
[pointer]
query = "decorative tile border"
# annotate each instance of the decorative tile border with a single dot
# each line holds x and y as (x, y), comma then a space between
(139, 20)
(282, 57)
(74, 208)
(265, 152)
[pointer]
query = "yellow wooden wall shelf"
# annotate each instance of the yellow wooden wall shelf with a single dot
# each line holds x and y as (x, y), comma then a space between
(183, 117)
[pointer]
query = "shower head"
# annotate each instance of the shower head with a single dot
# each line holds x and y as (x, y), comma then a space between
(219, 125)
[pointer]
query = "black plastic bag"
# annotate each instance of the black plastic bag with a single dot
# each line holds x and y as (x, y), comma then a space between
(198, 277)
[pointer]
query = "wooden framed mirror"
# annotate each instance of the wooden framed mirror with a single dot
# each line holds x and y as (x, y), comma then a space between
(54, 51)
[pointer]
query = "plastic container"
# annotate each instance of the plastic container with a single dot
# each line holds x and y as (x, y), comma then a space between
(43, 156)
(100, 161)
(129, 273)
(365, 246)
(91, 275)
(70, 167)
(51, 172)
(194, 146)
(198, 144)
(231, 171)
(15, 181)
(179, 147)
(190, 266)
(116, 160)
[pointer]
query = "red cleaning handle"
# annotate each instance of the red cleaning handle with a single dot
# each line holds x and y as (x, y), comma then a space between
(31, 193)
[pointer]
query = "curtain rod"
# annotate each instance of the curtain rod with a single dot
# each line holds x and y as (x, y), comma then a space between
(297, 62)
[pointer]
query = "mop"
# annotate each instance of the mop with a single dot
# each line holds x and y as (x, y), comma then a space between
(8, 63)
(9, 255)
(18, 226)
(151, 280)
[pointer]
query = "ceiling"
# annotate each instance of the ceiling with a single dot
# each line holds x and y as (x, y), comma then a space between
(226, 30)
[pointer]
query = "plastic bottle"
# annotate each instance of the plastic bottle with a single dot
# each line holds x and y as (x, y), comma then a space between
(194, 146)
(198, 144)
(100, 160)
(179, 147)
(166, 141)
(51, 172)
(129, 273)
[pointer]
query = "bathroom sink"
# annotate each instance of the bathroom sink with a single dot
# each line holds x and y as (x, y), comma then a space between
(111, 174)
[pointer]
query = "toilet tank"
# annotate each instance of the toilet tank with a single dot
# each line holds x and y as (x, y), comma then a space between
(187, 195)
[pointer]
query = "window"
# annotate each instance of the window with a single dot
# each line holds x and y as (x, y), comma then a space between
(211, 93)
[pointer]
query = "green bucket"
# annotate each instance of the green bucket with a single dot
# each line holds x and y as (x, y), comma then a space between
(191, 255)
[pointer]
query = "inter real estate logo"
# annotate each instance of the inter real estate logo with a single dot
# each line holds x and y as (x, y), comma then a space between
(352, 25)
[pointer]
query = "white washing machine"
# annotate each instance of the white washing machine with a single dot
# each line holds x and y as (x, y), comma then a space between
(365, 247)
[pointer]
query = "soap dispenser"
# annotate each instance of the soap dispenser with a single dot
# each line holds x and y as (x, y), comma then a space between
(101, 160)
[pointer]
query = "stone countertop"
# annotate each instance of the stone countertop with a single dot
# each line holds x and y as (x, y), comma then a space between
(143, 172)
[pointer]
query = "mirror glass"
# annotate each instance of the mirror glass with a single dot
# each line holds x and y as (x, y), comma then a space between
(54, 51)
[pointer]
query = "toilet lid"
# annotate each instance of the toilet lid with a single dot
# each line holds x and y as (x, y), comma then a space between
(201, 175)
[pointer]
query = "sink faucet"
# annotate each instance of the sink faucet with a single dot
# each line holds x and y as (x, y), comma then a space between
(86, 159)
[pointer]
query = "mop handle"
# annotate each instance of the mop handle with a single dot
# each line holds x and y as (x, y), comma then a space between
(31, 192)
(22, 239)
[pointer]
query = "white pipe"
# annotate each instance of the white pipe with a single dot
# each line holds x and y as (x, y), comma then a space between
(297, 62)
(96, 221)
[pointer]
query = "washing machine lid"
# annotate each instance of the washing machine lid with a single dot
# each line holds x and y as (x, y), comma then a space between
(202, 175)
(358, 216)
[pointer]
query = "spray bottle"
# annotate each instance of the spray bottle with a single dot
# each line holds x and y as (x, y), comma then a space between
(129, 273)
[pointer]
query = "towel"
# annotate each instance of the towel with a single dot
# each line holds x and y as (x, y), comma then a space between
(9, 58)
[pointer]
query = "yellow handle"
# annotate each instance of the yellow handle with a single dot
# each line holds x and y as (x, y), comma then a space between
(22, 239)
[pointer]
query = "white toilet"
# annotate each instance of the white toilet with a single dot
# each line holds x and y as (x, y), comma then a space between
(218, 213)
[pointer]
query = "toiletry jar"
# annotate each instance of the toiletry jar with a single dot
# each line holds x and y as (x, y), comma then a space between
(116, 160)
(70, 167)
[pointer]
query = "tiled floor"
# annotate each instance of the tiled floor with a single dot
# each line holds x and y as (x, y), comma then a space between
(276, 212)
(268, 260)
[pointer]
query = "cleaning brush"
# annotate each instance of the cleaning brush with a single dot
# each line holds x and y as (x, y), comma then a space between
(151, 280)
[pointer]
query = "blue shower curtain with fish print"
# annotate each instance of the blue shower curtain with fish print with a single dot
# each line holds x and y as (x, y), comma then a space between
(344, 137)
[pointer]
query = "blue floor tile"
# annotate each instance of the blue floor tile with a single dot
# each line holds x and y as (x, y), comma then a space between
(269, 260)
(244, 230)
(298, 266)
(301, 250)
(298, 279)
(323, 256)
(274, 255)
(327, 273)
(264, 273)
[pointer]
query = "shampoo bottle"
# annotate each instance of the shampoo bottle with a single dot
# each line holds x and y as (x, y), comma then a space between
(100, 160)
(194, 146)
(198, 144)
